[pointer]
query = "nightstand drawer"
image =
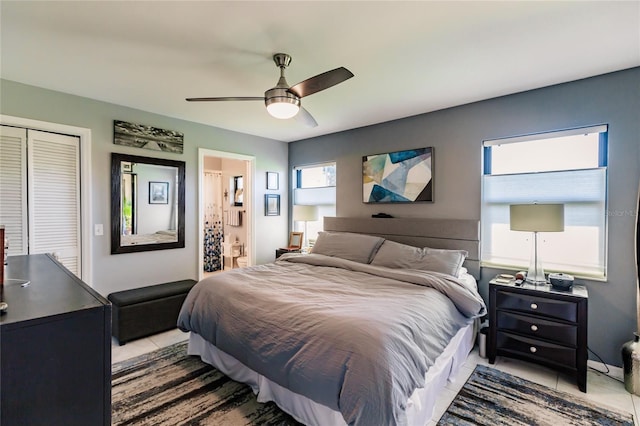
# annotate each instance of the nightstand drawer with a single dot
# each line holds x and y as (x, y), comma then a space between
(538, 328)
(536, 349)
(525, 303)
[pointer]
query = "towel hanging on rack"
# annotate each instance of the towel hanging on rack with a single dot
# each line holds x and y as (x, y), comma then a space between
(234, 217)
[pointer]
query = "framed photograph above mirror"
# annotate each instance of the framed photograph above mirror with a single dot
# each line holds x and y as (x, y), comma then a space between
(147, 203)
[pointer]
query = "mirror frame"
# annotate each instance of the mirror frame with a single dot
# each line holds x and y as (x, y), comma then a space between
(116, 203)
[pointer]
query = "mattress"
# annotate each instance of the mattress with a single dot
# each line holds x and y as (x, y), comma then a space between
(420, 405)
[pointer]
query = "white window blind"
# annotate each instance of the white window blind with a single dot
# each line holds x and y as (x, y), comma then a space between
(315, 186)
(581, 248)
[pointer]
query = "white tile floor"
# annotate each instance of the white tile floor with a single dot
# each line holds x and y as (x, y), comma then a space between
(602, 389)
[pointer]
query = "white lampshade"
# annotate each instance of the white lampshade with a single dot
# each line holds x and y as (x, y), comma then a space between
(283, 108)
(303, 213)
(537, 217)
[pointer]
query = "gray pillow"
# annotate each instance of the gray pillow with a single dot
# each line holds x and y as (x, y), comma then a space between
(357, 247)
(399, 256)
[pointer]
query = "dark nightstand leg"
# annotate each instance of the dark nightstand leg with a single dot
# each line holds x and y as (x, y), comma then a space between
(582, 379)
(491, 348)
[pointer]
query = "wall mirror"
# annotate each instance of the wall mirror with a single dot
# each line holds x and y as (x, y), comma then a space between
(238, 190)
(147, 203)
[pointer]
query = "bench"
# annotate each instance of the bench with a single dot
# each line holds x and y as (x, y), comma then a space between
(143, 311)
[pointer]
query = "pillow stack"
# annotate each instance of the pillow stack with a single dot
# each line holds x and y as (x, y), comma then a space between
(380, 252)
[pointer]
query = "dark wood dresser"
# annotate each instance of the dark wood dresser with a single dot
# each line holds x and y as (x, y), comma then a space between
(55, 347)
(541, 325)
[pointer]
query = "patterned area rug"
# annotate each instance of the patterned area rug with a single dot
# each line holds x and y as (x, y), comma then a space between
(168, 387)
(491, 397)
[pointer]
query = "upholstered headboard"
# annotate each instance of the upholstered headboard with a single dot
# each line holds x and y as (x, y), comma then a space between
(454, 234)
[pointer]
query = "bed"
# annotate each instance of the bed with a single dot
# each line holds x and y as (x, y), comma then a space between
(158, 237)
(365, 330)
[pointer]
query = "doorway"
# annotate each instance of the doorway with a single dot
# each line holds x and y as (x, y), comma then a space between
(226, 211)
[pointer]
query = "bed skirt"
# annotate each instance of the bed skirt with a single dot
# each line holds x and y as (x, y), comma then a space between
(419, 407)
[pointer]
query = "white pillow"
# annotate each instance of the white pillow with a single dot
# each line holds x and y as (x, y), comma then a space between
(398, 256)
(357, 247)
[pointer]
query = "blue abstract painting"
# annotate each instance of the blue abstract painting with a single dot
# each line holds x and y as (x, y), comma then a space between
(398, 177)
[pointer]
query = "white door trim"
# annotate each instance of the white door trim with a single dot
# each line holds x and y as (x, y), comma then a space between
(85, 175)
(249, 202)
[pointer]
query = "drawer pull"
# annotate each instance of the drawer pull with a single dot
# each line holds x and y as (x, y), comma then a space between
(533, 349)
(534, 327)
(534, 306)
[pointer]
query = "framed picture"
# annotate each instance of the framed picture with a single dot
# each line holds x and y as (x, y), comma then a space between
(148, 137)
(272, 180)
(158, 192)
(295, 240)
(398, 177)
(272, 205)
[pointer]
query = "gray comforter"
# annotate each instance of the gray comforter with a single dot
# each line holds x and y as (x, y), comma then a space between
(354, 337)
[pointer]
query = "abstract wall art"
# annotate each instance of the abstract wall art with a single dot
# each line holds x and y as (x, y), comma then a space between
(398, 177)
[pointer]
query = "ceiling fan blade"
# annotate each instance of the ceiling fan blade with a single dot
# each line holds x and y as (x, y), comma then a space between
(231, 98)
(305, 118)
(321, 82)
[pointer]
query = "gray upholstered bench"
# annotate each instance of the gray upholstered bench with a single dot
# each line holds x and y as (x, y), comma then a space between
(143, 311)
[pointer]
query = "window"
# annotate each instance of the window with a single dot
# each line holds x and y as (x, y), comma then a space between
(315, 185)
(568, 167)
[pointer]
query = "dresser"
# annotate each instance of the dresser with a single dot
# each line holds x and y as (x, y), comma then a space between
(55, 347)
(541, 325)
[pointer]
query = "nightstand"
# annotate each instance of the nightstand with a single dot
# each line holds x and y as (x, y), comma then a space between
(541, 325)
(281, 251)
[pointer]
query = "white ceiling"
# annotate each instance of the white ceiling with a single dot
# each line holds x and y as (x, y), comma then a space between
(408, 57)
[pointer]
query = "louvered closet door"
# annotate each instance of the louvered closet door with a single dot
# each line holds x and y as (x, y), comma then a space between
(13, 188)
(54, 197)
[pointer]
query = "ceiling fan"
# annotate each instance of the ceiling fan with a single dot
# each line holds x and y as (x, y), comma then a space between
(283, 101)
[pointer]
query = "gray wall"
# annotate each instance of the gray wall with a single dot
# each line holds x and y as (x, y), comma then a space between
(123, 271)
(457, 134)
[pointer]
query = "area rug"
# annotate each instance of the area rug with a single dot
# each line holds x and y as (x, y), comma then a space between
(492, 397)
(169, 387)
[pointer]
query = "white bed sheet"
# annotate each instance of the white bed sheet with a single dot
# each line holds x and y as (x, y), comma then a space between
(419, 406)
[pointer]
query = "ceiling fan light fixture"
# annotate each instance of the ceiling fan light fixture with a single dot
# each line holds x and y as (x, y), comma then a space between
(282, 108)
(281, 103)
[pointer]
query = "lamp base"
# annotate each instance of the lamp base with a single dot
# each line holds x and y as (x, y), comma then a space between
(536, 278)
(535, 275)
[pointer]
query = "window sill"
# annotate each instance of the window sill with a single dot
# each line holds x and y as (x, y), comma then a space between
(576, 275)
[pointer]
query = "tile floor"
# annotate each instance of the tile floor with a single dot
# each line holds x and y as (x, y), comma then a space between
(602, 389)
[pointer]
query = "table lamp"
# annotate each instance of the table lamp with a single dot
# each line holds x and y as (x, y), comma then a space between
(536, 218)
(303, 213)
